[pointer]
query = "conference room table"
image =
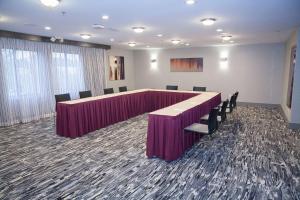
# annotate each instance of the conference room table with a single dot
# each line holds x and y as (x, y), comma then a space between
(169, 113)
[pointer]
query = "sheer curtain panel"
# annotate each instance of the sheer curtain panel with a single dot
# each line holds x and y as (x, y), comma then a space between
(31, 73)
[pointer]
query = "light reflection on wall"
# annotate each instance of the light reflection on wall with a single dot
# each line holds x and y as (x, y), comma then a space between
(224, 60)
(153, 55)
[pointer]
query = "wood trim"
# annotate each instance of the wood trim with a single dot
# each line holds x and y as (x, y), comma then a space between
(38, 38)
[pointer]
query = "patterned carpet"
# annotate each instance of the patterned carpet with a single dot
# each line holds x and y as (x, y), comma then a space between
(252, 156)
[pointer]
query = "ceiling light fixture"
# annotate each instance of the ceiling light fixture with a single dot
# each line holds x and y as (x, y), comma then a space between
(231, 41)
(105, 17)
(85, 36)
(47, 28)
(98, 26)
(175, 41)
(138, 29)
(190, 2)
(187, 44)
(219, 30)
(131, 44)
(208, 21)
(112, 39)
(148, 46)
(159, 35)
(226, 37)
(50, 3)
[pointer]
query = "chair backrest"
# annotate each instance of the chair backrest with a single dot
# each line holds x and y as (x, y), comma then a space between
(212, 120)
(85, 94)
(235, 98)
(223, 110)
(62, 97)
(108, 90)
(231, 102)
(199, 89)
(172, 87)
(123, 89)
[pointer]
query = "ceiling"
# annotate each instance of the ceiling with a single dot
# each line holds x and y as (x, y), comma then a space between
(252, 21)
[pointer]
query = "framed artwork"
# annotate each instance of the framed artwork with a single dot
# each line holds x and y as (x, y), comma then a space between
(116, 68)
(291, 76)
(186, 64)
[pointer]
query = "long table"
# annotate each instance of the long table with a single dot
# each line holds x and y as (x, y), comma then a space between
(173, 110)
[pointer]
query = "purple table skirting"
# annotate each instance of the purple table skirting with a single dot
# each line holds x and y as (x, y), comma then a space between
(165, 138)
(75, 120)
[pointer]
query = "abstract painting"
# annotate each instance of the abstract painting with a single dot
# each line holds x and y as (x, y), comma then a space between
(291, 77)
(186, 64)
(116, 68)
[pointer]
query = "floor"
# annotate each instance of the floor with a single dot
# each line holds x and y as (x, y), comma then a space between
(252, 156)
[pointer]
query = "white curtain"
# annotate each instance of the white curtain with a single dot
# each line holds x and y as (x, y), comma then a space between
(31, 73)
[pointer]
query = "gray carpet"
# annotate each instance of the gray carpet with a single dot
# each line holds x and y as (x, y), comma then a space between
(252, 156)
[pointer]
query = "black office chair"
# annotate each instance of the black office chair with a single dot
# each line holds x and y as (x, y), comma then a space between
(108, 90)
(123, 89)
(205, 129)
(235, 98)
(199, 89)
(172, 87)
(221, 114)
(62, 97)
(85, 94)
(229, 108)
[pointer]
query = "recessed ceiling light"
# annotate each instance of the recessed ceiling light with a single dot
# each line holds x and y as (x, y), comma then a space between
(175, 41)
(159, 35)
(219, 30)
(208, 21)
(105, 17)
(47, 28)
(187, 44)
(131, 44)
(138, 29)
(231, 41)
(226, 37)
(85, 36)
(98, 26)
(190, 2)
(148, 46)
(50, 3)
(112, 39)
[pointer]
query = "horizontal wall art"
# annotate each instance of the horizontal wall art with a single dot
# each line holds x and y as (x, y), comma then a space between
(116, 68)
(186, 64)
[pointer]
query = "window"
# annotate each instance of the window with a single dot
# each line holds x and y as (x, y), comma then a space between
(21, 72)
(68, 72)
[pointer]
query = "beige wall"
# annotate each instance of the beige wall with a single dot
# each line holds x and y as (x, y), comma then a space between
(254, 70)
(129, 70)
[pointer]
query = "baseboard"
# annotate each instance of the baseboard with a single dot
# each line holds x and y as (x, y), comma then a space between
(258, 104)
(294, 126)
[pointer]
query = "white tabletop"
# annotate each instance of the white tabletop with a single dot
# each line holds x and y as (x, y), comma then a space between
(172, 110)
(120, 94)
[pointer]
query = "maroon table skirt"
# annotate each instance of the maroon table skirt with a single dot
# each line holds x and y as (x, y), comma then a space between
(75, 120)
(166, 138)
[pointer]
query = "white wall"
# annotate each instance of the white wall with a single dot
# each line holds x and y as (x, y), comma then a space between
(129, 70)
(254, 70)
